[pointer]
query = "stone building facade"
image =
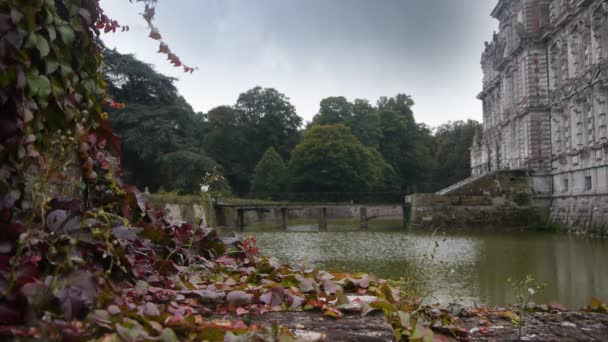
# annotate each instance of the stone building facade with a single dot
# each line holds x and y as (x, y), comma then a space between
(545, 104)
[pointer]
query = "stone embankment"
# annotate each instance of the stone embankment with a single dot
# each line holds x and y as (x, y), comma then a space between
(489, 325)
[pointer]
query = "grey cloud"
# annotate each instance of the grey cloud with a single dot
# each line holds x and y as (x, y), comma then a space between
(317, 48)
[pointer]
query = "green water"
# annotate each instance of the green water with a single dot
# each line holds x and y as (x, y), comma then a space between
(470, 266)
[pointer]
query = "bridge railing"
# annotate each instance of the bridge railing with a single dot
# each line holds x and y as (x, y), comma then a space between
(342, 197)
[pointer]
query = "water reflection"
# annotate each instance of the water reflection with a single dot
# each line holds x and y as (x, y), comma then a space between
(574, 268)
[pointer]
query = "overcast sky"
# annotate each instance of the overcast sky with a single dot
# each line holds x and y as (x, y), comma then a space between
(311, 49)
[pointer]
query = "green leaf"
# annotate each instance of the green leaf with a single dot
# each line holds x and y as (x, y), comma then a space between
(52, 33)
(44, 87)
(168, 335)
(30, 41)
(67, 34)
(58, 89)
(16, 16)
(66, 69)
(51, 65)
(32, 83)
(421, 333)
(383, 305)
(89, 85)
(42, 45)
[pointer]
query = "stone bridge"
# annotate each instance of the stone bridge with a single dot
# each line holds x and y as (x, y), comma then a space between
(238, 215)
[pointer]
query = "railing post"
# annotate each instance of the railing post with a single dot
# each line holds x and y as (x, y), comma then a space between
(363, 218)
(284, 218)
(323, 219)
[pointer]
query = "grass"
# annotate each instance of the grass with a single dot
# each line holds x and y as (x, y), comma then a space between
(175, 198)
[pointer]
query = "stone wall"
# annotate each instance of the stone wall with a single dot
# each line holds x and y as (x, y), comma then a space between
(588, 214)
(473, 211)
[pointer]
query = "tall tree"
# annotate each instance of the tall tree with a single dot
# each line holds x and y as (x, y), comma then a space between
(225, 140)
(331, 159)
(334, 110)
(155, 123)
(270, 175)
(266, 119)
(405, 145)
(365, 123)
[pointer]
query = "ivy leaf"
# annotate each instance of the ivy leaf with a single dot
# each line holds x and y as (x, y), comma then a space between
(66, 69)
(67, 34)
(42, 45)
(151, 310)
(238, 298)
(44, 87)
(52, 33)
(168, 335)
(307, 285)
(58, 89)
(55, 219)
(384, 305)
(274, 297)
(85, 15)
(330, 287)
(16, 16)
(30, 41)
(51, 65)
(32, 83)
(125, 233)
(89, 85)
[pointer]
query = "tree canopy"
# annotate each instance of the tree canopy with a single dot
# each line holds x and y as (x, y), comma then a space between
(166, 144)
(270, 175)
(238, 136)
(158, 127)
(331, 159)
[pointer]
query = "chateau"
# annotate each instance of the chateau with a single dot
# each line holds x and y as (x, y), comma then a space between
(545, 104)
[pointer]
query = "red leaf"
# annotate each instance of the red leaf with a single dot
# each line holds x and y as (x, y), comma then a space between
(241, 311)
(163, 48)
(155, 35)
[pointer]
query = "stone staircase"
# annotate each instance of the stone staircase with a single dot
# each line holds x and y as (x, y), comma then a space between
(462, 183)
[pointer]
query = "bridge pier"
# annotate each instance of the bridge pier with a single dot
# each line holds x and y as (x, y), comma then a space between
(407, 208)
(240, 219)
(363, 218)
(323, 219)
(284, 218)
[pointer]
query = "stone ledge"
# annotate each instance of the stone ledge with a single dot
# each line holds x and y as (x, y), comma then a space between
(313, 326)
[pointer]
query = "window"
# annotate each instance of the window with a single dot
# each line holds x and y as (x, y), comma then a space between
(588, 184)
(565, 185)
(599, 26)
(558, 61)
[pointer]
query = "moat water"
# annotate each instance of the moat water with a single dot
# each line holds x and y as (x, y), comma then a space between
(468, 266)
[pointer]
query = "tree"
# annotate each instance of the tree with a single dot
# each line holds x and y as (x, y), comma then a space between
(237, 137)
(270, 175)
(334, 110)
(453, 162)
(406, 146)
(155, 124)
(365, 123)
(331, 159)
(400, 103)
(183, 170)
